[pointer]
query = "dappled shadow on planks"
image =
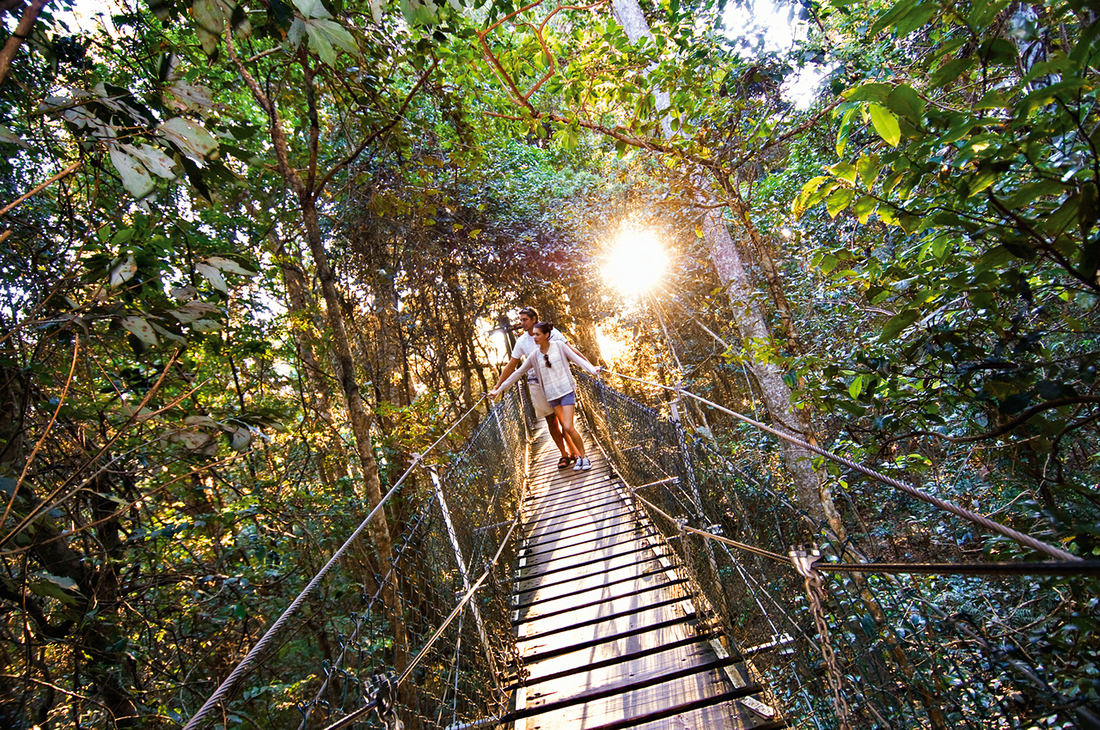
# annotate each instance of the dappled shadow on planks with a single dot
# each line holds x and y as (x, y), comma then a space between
(605, 626)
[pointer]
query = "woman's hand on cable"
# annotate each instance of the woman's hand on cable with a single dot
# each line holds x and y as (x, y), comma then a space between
(494, 393)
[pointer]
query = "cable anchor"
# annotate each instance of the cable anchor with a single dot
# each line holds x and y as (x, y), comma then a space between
(382, 691)
(806, 564)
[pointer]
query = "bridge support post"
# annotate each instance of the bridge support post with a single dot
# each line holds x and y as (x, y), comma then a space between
(453, 536)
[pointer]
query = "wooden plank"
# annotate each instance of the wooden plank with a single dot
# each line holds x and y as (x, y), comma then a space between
(631, 640)
(605, 611)
(550, 548)
(541, 590)
(604, 558)
(629, 585)
(602, 628)
(606, 630)
(578, 529)
(538, 672)
(661, 663)
(643, 704)
(535, 614)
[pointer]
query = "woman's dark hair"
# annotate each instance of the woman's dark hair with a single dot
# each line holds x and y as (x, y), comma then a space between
(546, 327)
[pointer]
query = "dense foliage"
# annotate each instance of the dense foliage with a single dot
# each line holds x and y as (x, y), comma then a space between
(253, 257)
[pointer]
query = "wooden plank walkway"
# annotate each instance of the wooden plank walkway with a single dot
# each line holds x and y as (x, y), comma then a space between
(605, 627)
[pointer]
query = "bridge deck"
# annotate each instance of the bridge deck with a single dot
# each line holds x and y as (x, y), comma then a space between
(605, 626)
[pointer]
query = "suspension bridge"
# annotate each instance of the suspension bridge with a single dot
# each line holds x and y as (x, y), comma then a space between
(659, 590)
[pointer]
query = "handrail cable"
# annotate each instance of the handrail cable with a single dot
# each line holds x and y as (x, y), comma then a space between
(353, 716)
(1059, 567)
(687, 528)
(261, 645)
(942, 504)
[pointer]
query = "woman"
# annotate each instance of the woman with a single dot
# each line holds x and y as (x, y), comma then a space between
(551, 362)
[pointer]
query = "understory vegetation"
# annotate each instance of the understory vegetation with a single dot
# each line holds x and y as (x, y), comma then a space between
(257, 256)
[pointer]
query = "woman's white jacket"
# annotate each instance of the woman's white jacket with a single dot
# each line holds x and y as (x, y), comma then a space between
(556, 379)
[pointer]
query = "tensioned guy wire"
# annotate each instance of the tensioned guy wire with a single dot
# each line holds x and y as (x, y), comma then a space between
(1026, 540)
(264, 641)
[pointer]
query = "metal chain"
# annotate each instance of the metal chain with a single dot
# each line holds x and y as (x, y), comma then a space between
(815, 591)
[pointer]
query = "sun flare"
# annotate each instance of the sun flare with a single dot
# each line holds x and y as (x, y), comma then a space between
(635, 262)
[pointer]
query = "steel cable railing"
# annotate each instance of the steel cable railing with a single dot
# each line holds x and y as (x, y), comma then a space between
(453, 546)
(907, 650)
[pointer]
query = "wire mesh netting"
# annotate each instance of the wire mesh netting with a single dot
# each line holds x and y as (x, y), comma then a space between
(909, 651)
(430, 637)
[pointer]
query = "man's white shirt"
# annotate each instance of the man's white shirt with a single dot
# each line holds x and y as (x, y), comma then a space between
(525, 345)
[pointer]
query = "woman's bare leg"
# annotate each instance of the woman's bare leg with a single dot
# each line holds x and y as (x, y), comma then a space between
(565, 415)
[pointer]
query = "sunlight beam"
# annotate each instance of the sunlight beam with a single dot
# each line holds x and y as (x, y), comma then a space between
(636, 261)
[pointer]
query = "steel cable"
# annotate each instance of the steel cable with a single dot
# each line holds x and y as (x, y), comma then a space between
(223, 690)
(1021, 538)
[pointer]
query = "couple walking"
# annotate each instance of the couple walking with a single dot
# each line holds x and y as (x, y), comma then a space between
(543, 353)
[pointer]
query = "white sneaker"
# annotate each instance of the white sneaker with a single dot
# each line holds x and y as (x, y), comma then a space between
(583, 464)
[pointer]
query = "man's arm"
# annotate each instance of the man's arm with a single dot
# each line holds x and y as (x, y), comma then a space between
(508, 370)
(565, 340)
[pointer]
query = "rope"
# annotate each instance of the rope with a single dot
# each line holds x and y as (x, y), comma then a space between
(238, 672)
(1021, 538)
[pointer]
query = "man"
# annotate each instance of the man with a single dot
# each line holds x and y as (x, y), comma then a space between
(525, 345)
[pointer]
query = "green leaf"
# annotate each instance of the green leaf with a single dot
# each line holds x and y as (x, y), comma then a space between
(844, 130)
(189, 137)
(906, 103)
(1031, 192)
(213, 275)
(950, 71)
(325, 34)
(808, 189)
(864, 207)
(856, 387)
(140, 329)
(230, 266)
(312, 9)
(153, 159)
(135, 178)
(209, 21)
(869, 92)
(123, 271)
(868, 167)
(891, 16)
(1041, 97)
(886, 124)
(982, 13)
(896, 324)
(844, 171)
(915, 18)
(839, 200)
(55, 586)
(980, 181)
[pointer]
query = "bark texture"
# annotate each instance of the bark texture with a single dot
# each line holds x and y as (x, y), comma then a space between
(810, 490)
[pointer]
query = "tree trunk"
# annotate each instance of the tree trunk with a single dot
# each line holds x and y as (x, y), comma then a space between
(812, 493)
(810, 490)
(763, 250)
(359, 416)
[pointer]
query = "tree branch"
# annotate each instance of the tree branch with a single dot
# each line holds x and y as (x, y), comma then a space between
(22, 32)
(1007, 426)
(375, 135)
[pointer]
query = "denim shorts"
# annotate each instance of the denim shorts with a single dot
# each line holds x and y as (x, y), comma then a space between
(569, 399)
